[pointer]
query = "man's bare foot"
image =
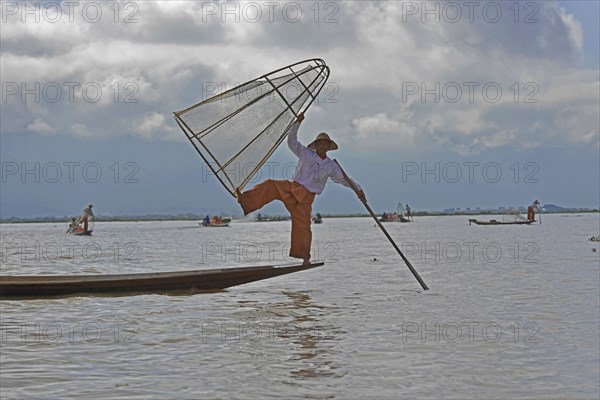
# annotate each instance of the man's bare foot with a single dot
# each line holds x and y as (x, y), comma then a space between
(306, 262)
(240, 199)
(238, 195)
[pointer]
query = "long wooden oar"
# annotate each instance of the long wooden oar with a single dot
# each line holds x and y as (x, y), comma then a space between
(408, 264)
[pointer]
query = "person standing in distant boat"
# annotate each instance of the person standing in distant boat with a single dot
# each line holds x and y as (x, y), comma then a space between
(73, 225)
(533, 207)
(408, 213)
(313, 170)
(86, 216)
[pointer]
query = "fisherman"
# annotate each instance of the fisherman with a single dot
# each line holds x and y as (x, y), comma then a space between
(533, 207)
(207, 220)
(86, 215)
(408, 213)
(317, 219)
(73, 225)
(312, 171)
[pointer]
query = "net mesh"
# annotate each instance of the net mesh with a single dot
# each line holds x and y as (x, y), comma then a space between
(235, 132)
(514, 216)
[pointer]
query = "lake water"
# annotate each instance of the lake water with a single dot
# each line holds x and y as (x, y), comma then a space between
(513, 312)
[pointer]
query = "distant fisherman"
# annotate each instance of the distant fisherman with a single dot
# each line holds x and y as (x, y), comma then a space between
(73, 225)
(86, 215)
(312, 171)
(533, 207)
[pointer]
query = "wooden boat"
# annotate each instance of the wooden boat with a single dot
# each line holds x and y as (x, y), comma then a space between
(84, 225)
(395, 217)
(82, 233)
(277, 218)
(494, 222)
(213, 224)
(183, 282)
(399, 218)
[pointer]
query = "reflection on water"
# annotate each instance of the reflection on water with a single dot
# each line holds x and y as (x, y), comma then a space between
(312, 337)
(296, 321)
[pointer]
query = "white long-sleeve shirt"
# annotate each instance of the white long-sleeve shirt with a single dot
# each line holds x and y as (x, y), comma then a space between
(312, 172)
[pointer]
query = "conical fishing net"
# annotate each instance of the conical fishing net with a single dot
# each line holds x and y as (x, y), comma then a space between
(236, 132)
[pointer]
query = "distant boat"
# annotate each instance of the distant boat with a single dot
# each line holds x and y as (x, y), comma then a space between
(398, 216)
(84, 225)
(317, 219)
(509, 218)
(276, 218)
(216, 222)
(494, 222)
(393, 217)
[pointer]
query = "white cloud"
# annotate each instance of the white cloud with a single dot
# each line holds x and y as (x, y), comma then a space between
(381, 132)
(149, 125)
(379, 123)
(40, 126)
(81, 130)
(153, 126)
(574, 28)
(374, 50)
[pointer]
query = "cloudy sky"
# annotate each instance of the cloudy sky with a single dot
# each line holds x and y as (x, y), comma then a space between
(435, 104)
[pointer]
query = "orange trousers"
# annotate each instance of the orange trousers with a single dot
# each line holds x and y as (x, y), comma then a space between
(530, 213)
(298, 201)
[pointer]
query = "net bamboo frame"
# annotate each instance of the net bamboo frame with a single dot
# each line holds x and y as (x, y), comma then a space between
(231, 128)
